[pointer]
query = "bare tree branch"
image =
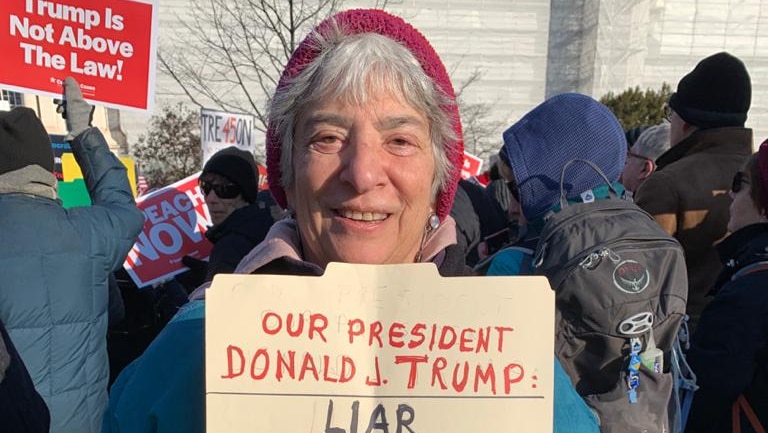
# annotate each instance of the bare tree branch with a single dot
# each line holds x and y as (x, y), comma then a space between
(482, 135)
(229, 55)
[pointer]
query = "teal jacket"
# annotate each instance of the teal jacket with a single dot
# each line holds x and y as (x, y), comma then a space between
(54, 264)
(163, 391)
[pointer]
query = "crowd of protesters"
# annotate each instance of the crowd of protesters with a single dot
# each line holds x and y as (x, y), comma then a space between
(364, 151)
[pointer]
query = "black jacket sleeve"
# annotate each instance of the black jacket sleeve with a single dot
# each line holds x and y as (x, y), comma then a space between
(21, 407)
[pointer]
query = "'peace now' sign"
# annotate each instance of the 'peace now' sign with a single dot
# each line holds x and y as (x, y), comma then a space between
(175, 221)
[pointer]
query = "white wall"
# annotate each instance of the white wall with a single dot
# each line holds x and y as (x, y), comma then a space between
(626, 43)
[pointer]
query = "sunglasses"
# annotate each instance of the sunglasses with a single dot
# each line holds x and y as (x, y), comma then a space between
(229, 190)
(739, 180)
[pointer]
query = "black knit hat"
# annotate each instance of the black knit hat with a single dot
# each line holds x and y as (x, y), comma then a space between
(239, 167)
(716, 93)
(23, 141)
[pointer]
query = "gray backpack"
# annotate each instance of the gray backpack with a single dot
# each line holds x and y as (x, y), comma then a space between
(621, 287)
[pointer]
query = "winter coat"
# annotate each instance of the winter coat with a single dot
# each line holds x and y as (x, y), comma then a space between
(22, 410)
(236, 236)
(691, 184)
(55, 263)
(163, 391)
(477, 216)
(729, 353)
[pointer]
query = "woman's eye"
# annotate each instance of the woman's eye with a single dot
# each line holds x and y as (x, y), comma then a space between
(326, 144)
(402, 146)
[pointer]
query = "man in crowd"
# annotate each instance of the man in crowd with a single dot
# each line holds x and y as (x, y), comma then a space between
(641, 157)
(55, 262)
(688, 194)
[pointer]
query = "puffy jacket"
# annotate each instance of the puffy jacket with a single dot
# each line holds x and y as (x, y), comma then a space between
(54, 264)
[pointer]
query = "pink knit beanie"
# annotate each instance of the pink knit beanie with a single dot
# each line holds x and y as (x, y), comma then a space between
(359, 21)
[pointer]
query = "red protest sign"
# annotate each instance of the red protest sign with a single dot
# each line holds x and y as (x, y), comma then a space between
(263, 182)
(108, 47)
(471, 167)
(175, 220)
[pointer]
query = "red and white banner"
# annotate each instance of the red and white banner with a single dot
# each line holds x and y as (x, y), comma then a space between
(107, 46)
(175, 221)
(472, 166)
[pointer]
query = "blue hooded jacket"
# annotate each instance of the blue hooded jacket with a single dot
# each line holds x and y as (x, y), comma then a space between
(562, 128)
(565, 127)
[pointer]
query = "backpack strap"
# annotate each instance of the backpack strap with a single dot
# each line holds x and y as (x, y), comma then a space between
(750, 269)
(563, 195)
(742, 405)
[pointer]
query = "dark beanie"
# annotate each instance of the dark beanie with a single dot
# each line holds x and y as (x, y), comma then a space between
(239, 167)
(716, 93)
(23, 141)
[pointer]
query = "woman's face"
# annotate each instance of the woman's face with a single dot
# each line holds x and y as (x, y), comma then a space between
(363, 178)
(743, 210)
(220, 206)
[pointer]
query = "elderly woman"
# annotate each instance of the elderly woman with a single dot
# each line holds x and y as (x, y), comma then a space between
(729, 352)
(364, 149)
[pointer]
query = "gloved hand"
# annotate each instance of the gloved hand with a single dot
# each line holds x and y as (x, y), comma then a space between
(195, 276)
(73, 108)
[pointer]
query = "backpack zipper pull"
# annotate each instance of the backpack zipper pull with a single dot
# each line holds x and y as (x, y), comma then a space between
(633, 378)
(591, 260)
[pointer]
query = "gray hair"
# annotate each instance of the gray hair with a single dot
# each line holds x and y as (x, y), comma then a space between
(653, 142)
(354, 68)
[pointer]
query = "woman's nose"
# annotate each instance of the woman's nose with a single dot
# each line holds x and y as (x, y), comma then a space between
(211, 196)
(363, 163)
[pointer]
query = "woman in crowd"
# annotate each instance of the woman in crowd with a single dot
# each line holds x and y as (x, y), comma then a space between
(241, 217)
(364, 149)
(729, 352)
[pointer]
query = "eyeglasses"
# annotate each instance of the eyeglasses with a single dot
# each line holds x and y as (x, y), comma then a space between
(668, 113)
(634, 155)
(229, 190)
(739, 180)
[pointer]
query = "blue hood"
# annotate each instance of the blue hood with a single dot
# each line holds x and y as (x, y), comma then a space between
(564, 127)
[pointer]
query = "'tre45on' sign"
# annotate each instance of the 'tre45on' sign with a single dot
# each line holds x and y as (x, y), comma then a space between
(220, 129)
(232, 130)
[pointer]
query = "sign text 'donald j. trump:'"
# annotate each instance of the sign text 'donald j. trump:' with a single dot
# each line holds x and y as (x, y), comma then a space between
(390, 348)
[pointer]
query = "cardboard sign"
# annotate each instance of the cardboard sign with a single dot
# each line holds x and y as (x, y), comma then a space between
(108, 47)
(388, 348)
(175, 221)
(472, 166)
(219, 129)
